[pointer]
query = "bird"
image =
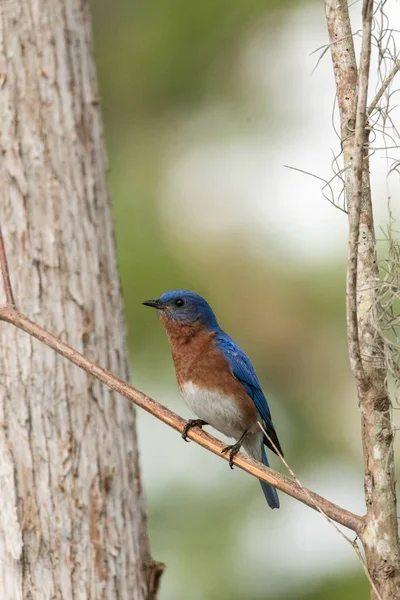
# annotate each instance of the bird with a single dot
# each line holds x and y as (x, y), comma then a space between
(216, 379)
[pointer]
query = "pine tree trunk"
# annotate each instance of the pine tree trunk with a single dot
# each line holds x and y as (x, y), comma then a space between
(72, 520)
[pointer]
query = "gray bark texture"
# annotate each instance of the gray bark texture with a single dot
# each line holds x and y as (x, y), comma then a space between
(72, 518)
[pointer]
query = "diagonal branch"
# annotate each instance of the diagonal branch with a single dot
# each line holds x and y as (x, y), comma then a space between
(383, 88)
(11, 315)
(285, 484)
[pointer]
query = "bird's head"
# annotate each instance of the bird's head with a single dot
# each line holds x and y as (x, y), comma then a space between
(183, 306)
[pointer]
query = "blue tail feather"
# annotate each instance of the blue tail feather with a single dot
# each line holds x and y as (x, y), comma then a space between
(270, 492)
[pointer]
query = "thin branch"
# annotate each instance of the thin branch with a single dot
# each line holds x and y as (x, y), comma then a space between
(383, 88)
(285, 484)
(355, 205)
(353, 543)
(6, 273)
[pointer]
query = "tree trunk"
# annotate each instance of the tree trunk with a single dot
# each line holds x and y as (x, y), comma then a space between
(380, 535)
(72, 520)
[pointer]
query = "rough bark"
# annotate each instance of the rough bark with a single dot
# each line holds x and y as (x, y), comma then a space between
(72, 520)
(380, 535)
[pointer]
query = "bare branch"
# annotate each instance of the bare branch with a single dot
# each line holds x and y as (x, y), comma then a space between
(383, 88)
(355, 205)
(285, 484)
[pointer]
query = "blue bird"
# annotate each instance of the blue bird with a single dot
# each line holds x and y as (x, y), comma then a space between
(216, 378)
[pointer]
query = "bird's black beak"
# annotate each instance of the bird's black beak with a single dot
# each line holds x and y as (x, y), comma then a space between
(154, 304)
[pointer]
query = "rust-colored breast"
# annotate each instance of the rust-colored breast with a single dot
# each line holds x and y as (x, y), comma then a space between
(198, 359)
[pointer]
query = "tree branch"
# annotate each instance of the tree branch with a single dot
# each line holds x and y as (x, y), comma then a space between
(285, 484)
(11, 315)
(360, 140)
(383, 88)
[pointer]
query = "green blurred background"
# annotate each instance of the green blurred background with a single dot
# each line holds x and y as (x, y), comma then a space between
(204, 102)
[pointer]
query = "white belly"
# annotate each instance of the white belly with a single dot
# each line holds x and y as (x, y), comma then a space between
(220, 412)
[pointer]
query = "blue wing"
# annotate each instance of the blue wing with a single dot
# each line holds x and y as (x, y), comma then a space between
(243, 371)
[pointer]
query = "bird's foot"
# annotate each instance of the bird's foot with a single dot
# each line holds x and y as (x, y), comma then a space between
(233, 450)
(192, 423)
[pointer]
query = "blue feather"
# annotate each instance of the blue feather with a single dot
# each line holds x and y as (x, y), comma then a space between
(243, 370)
(270, 492)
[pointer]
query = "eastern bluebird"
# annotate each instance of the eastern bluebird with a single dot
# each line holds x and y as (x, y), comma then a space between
(216, 378)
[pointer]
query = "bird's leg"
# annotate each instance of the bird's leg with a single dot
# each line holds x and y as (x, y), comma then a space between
(192, 423)
(234, 449)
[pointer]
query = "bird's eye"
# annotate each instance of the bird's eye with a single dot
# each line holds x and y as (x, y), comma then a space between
(179, 302)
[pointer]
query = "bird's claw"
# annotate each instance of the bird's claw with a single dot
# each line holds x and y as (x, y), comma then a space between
(233, 450)
(192, 423)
